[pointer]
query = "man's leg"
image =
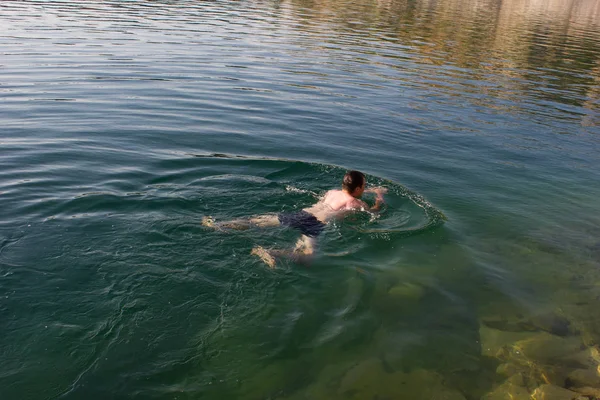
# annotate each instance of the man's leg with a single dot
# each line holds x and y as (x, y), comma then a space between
(261, 221)
(265, 221)
(264, 255)
(301, 253)
(305, 247)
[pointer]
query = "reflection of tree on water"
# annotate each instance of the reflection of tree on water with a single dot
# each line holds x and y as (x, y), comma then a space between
(546, 49)
(592, 103)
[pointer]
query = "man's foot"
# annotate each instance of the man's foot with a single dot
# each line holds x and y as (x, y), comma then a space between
(239, 225)
(264, 255)
(208, 221)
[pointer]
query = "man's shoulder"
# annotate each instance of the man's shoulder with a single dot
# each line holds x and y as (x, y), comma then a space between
(357, 204)
(335, 194)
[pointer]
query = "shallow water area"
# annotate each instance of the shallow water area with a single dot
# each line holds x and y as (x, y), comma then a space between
(125, 123)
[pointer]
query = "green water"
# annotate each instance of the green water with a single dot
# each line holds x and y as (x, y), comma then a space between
(124, 123)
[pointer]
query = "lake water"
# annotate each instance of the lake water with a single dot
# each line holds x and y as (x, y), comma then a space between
(124, 123)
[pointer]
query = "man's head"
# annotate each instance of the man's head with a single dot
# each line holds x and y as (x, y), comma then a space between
(354, 183)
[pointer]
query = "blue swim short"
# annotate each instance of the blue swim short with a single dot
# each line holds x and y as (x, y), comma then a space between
(304, 221)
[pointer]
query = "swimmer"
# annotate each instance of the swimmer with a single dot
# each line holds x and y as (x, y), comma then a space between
(310, 221)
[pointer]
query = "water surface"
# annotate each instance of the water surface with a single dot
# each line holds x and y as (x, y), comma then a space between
(124, 123)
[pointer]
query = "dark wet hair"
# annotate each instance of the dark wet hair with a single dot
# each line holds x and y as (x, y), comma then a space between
(353, 180)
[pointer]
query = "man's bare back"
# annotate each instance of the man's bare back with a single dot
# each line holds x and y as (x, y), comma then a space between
(335, 204)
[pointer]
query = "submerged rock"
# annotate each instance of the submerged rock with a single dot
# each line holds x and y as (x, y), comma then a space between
(585, 377)
(588, 358)
(369, 380)
(406, 291)
(541, 358)
(326, 385)
(398, 300)
(271, 379)
(588, 391)
(541, 347)
(509, 390)
(581, 306)
(544, 348)
(394, 298)
(551, 392)
(493, 341)
(549, 322)
(509, 369)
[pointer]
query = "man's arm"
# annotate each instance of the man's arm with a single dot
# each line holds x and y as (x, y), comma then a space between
(379, 192)
(378, 203)
(376, 207)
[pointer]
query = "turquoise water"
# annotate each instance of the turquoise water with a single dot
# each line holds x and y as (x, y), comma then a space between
(124, 123)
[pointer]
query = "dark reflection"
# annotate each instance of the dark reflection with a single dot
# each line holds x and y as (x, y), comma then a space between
(548, 50)
(505, 55)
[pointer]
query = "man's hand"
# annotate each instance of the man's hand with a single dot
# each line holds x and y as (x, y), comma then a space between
(376, 189)
(379, 192)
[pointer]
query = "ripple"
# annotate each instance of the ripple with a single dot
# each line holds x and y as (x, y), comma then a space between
(121, 125)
